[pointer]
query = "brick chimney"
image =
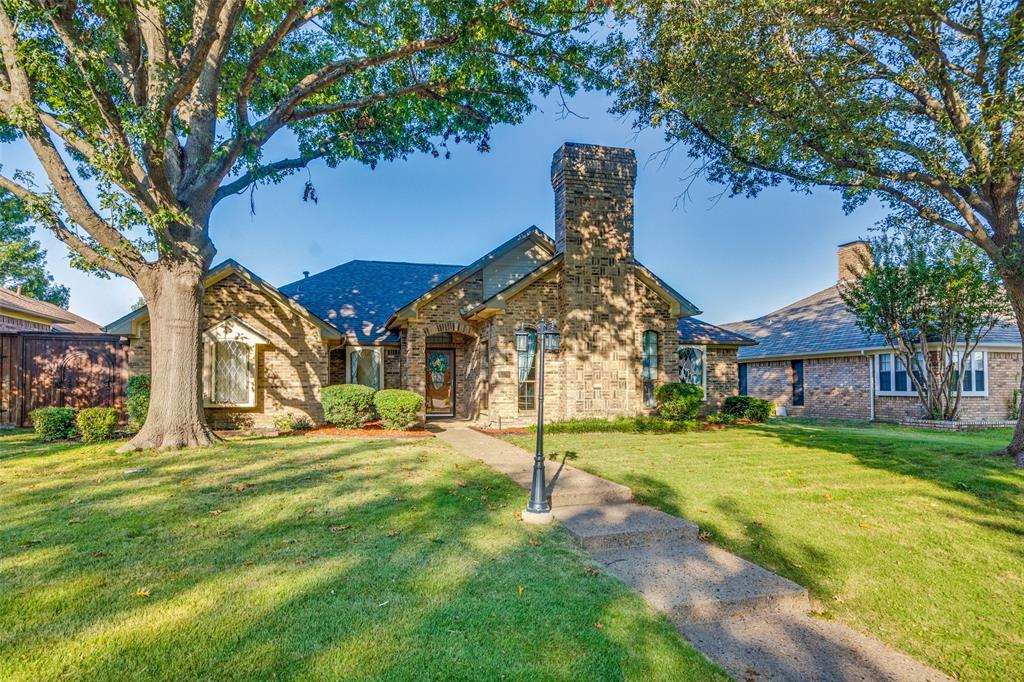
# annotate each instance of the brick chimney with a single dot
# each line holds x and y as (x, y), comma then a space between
(594, 231)
(850, 257)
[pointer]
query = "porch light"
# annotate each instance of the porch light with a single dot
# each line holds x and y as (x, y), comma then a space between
(539, 508)
(522, 340)
(552, 341)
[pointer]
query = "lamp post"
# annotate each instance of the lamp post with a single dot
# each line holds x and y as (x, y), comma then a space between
(548, 340)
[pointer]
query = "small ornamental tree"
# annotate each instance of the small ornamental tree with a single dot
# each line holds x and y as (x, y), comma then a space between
(166, 108)
(933, 298)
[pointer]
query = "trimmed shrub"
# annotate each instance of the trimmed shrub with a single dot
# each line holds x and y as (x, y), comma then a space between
(398, 409)
(678, 401)
(748, 407)
(136, 403)
(642, 424)
(292, 421)
(54, 423)
(97, 424)
(349, 406)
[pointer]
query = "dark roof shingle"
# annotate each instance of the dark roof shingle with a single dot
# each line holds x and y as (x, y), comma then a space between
(822, 324)
(63, 320)
(692, 330)
(359, 296)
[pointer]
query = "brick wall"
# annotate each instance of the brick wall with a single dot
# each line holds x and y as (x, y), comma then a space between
(722, 378)
(839, 388)
(290, 369)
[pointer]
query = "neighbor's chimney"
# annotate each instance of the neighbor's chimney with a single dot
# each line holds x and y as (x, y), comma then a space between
(305, 274)
(851, 258)
(18, 290)
(594, 202)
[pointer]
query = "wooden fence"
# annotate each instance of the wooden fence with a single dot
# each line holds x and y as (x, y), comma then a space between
(59, 370)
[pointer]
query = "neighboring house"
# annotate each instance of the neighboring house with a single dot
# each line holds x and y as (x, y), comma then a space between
(447, 332)
(20, 313)
(813, 360)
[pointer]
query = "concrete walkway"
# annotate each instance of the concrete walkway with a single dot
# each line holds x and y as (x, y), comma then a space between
(752, 622)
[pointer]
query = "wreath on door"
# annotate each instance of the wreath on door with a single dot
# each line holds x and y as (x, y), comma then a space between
(438, 366)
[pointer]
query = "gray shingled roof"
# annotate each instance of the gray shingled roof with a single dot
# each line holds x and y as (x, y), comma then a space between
(63, 320)
(692, 330)
(359, 296)
(822, 324)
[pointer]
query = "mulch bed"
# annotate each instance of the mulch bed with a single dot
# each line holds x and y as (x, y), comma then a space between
(518, 431)
(371, 430)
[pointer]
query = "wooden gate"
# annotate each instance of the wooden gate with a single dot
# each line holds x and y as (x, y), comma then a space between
(59, 370)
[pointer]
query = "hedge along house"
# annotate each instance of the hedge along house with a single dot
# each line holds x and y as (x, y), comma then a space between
(448, 332)
(812, 360)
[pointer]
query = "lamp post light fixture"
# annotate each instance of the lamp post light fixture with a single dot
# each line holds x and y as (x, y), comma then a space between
(548, 340)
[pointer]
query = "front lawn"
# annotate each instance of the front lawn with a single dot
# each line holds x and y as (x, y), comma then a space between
(301, 557)
(916, 537)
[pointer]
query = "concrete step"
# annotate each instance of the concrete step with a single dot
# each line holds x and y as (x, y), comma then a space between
(780, 645)
(696, 581)
(610, 526)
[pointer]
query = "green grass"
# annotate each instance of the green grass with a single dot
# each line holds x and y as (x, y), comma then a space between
(301, 558)
(916, 537)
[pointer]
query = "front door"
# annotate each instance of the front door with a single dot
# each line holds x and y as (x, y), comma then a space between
(440, 396)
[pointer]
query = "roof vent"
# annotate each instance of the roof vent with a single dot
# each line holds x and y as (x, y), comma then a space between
(305, 274)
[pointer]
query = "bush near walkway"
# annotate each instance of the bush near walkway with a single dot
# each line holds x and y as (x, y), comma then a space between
(300, 558)
(909, 535)
(349, 406)
(398, 409)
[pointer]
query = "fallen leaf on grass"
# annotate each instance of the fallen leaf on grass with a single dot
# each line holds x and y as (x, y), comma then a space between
(864, 525)
(703, 535)
(590, 570)
(520, 589)
(97, 554)
(453, 492)
(599, 625)
(827, 497)
(339, 477)
(461, 484)
(216, 512)
(73, 520)
(249, 562)
(392, 533)
(483, 497)
(399, 499)
(491, 507)
(339, 529)
(142, 592)
(186, 481)
(535, 543)
(519, 516)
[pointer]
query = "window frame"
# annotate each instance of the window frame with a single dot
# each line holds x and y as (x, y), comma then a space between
(231, 330)
(742, 379)
(703, 366)
(532, 404)
(650, 368)
(376, 350)
(892, 391)
(959, 382)
(802, 393)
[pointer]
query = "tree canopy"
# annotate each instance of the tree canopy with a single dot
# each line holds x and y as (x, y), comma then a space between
(22, 259)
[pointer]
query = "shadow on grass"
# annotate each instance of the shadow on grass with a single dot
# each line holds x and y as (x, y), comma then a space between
(956, 461)
(300, 558)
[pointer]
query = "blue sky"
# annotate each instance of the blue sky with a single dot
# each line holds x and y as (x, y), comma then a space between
(735, 258)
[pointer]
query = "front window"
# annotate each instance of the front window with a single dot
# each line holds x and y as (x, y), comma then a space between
(650, 364)
(975, 370)
(893, 378)
(364, 367)
(692, 366)
(527, 359)
(232, 372)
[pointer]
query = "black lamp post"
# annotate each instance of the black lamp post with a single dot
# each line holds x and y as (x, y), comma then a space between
(548, 340)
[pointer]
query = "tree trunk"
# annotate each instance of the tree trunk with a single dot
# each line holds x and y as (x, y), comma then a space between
(174, 294)
(1015, 290)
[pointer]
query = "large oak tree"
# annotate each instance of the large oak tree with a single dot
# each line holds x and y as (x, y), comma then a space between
(919, 102)
(165, 106)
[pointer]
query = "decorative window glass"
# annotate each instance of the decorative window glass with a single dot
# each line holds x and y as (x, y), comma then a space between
(364, 367)
(527, 364)
(975, 370)
(893, 378)
(692, 369)
(650, 367)
(229, 364)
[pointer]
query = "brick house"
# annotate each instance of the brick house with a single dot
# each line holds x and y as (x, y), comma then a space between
(812, 360)
(448, 332)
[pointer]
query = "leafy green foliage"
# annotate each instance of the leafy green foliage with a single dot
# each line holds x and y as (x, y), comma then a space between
(97, 424)
(640, 424)
(292, 421)
(137, 400)
(22, 260)
(723, 418)
(54, 423)
(678, 401)
(748, 407)
(929, 296)
(347, 405)
(398, 409)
